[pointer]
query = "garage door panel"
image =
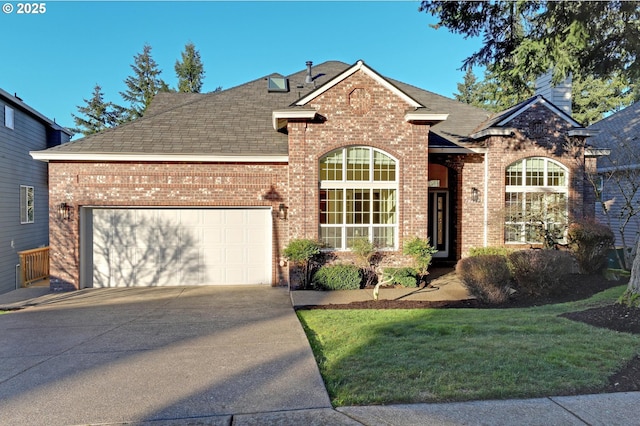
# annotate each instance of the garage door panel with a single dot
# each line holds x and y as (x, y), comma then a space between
(157, 247)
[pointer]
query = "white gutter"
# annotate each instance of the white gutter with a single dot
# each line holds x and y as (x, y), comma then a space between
(597, 152)
(280, 117)
(174, 158)
(584, 132)
(417, 116)
(493, 131)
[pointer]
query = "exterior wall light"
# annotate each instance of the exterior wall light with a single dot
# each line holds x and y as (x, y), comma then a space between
(64, 211)
(283, 211)
(475, 195)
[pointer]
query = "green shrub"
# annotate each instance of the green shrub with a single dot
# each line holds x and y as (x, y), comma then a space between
(590, 241)
(301, 252)
(539, 272)
(422, 253)
(486, 277)
(406, 277)
(480, 251)
(337, 277)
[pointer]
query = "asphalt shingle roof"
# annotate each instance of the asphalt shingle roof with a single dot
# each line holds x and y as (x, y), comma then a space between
(621, 127)
(238, 121)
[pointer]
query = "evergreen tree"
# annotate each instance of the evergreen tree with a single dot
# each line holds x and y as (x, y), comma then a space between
(97, 114)
(522, 39)
(190, 71)
(468, 90)
(143, 85)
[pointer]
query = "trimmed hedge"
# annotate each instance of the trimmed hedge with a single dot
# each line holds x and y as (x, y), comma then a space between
(481, 251)
(590, 241)
(539, 272)
(487, 277)
(337, 277)
(407, 277)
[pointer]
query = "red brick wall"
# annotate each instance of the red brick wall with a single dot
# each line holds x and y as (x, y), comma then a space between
(156, 184)
(358, 111)
(503, 151)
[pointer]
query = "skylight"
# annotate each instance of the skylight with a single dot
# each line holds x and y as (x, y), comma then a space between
(278, 84)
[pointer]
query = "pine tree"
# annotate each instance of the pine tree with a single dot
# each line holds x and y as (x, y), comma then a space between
(190, 71)
(143, 85)
(97, 114)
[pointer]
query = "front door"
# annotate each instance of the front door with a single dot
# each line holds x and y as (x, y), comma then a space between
(439, 222)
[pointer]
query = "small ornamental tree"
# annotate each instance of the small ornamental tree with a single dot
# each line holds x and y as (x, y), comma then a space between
(301, 252)
(422, 253)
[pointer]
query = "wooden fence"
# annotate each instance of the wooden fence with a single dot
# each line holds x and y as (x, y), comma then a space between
(34, 265)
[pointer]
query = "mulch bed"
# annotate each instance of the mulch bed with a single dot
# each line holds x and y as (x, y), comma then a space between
(615, 317)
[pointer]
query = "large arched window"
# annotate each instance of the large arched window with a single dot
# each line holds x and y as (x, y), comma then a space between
(358, 197)
(535, 200)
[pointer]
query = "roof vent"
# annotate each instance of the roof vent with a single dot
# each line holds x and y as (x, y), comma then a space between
(309, 78)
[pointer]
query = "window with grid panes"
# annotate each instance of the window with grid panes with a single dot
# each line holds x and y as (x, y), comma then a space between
(358, 198)
(536, 200)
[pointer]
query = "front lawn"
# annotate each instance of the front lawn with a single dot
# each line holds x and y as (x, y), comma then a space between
(428, 355)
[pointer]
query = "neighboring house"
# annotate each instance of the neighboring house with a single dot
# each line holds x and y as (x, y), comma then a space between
(209, 189)
(620, 173)
(24, 193)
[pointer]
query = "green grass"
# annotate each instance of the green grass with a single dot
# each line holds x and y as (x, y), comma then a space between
(427, 355)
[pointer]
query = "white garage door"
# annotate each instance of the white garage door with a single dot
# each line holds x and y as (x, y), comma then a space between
(160, 247)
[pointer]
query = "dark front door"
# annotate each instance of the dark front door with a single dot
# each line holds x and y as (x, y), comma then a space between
(439, 222)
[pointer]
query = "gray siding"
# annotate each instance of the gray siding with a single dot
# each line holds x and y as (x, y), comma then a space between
(611, 194)
(18, 168)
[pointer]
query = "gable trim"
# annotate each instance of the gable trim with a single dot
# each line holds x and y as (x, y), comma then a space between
(540, 100)
(358, 66)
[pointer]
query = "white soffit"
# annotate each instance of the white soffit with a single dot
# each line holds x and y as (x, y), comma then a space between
(359, 66)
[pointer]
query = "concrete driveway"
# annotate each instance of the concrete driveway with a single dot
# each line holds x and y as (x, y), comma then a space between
(143, 354)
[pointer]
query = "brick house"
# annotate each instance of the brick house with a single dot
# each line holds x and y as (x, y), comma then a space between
(209, 188)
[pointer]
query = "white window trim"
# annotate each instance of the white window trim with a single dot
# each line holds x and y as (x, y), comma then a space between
(9, 117)
(24, 204)
(524, 189)
(370, 184)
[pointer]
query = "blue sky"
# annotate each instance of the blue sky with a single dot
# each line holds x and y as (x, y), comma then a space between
(53, 60)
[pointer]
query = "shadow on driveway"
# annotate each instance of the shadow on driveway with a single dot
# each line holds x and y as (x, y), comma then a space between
(135, 354)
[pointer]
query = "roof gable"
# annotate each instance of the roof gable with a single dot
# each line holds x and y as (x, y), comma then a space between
(358, 66)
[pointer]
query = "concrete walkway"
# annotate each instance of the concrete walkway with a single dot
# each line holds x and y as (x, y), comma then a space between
(181, 356)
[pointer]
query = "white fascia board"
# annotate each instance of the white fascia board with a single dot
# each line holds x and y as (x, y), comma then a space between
(359, 66)
(620, 168)
(457, 150)
(583, 132)
(493, 131)
(597, 152)
(141, 157)
(420, 116)
(549, 105)
(280, 117)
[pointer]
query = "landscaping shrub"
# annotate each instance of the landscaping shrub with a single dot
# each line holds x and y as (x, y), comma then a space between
(422, 253)
(480, 251)
(337, 277)
(539, 272)
(301, 253)
(590, 241)
(486, 277)
(406, 277)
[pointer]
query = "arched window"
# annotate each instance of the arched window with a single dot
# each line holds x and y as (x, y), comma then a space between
(535, 200)
(358, 197)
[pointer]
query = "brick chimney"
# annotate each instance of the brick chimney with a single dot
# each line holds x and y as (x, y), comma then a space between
(559, 95)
